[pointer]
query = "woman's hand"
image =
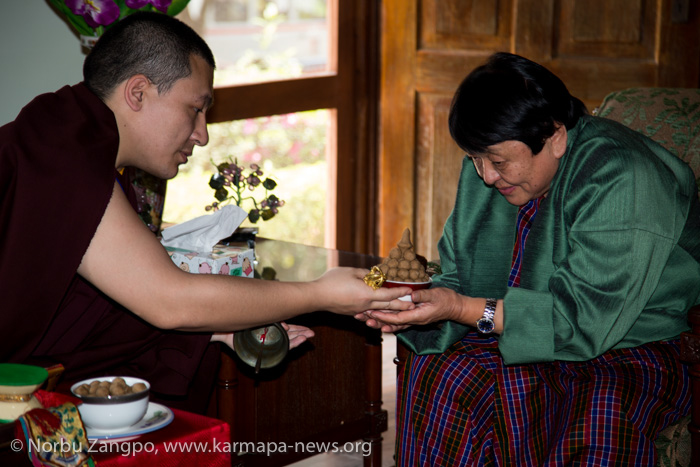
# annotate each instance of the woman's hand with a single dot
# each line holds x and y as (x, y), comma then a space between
(376, 324)
(431, 305)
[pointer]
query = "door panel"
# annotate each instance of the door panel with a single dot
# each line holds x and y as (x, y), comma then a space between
(607, 28)
(438, 161)
(429, 46)
(464, 24)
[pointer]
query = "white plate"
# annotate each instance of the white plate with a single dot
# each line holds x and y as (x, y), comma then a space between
(157, 416)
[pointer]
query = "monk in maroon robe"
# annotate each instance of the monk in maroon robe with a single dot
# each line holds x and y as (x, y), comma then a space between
(83, 282)
(57, 174)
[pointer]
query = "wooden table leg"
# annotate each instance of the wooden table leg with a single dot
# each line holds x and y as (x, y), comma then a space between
(377, 418)
(226, 386)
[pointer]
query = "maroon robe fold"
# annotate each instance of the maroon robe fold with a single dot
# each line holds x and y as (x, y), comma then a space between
(56, 177)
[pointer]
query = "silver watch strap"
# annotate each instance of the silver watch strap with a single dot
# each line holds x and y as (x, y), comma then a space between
(490, 309)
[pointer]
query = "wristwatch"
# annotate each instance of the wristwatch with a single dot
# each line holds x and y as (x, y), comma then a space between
(486, 325)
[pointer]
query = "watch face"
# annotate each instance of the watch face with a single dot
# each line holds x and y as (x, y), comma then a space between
(485, 325)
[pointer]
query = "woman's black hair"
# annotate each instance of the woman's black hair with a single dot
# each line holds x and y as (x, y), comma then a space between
(511, 98)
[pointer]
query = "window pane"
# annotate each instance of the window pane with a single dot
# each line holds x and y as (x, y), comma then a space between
(291, 149)
(261, 40)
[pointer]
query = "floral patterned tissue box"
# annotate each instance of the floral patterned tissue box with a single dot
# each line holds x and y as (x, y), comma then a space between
(224, 259)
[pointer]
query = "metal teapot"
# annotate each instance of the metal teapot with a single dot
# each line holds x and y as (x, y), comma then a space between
(263, 347)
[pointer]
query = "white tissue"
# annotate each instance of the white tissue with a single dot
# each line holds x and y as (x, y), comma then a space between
(202, 233)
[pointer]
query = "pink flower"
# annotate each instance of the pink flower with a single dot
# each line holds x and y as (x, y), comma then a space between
(95, 12)
(161, 5)
(250, 126)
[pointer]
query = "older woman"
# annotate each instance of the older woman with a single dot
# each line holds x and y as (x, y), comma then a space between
(569, 262)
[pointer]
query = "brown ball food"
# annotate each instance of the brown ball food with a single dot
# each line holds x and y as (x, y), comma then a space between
(402, 263)
(117, 390)
(116, 387)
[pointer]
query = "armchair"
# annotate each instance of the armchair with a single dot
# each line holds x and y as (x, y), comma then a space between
(671, 117)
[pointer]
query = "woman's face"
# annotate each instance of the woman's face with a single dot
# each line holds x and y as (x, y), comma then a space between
(516, 173)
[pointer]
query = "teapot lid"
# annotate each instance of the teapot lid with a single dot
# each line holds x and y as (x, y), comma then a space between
(18, 374)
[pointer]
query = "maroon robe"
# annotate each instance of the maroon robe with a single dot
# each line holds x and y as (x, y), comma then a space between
(56, 177)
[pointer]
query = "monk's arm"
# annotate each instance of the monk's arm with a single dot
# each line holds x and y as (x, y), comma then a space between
(126, 262)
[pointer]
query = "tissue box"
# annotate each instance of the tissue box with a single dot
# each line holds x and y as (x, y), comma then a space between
(231, 260)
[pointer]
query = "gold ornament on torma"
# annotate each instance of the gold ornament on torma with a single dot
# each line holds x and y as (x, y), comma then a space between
(375, 278)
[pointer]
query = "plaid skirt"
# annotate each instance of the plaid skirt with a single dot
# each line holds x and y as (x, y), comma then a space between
(466, 407)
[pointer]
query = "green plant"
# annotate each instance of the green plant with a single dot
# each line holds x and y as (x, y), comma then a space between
(231, 184)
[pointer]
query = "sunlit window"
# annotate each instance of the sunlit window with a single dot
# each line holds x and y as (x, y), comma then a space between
(262, 41)
(259, 40)
(291, 149)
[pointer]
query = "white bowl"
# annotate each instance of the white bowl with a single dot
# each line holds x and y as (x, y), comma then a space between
(112, 412)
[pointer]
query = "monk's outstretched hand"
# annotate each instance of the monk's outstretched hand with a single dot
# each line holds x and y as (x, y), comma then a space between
(343, 290)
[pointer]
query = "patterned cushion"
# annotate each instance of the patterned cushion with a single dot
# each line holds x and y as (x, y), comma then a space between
(673, 445)
(671, 117)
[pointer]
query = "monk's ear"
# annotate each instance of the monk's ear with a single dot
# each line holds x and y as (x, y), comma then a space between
(558, 141)
(135, 91)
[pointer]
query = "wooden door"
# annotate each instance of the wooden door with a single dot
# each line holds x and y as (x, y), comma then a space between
(429, 46)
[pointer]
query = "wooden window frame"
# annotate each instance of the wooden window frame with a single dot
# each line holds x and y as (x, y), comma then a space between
(351, 95)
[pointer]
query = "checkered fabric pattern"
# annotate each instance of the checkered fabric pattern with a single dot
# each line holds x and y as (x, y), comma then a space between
(526, 215)
(465, 407)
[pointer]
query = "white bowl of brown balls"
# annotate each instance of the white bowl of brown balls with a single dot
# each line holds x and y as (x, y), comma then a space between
(112, 402)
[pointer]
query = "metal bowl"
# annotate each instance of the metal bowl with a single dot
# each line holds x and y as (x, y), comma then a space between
(263, 347)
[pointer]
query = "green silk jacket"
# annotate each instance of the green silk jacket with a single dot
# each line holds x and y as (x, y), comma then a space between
(612, 259)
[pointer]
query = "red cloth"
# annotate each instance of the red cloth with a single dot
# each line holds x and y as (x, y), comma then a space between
(202, 441)
(57, 173)
(194, 432)
(54, 399)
